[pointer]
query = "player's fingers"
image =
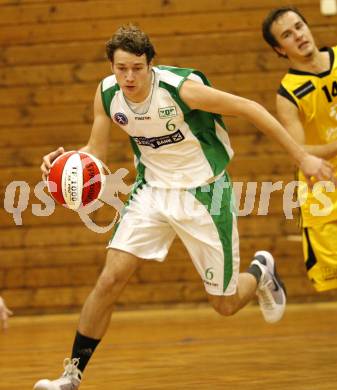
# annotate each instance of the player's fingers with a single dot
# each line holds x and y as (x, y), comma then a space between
(4, 320)
(323, 175)
(327, 169)
(334, 181)
(50, 157)
(326, 172)
(47, 161)
(310, 181)
(56, 153)
(45, 172)
(327, 164)
(44, 169)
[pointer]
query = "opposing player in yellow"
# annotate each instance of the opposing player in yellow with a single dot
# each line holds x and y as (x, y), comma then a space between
(307, 107)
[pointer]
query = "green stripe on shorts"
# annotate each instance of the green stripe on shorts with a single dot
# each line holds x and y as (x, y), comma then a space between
(137, 185)
(218, 200)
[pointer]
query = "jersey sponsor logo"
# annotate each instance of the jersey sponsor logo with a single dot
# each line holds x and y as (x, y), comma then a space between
(304, 89)
(142, 118)
(167, 112)
(121, 118)
(157, 142)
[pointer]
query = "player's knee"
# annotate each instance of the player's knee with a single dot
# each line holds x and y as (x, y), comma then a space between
(227, 310)
(106, 284)
(225, 307)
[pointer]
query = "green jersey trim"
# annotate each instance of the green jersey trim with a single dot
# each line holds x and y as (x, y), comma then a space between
(140, 166)
(107, 97)
(173, 91)
(138, 185)
(184, 73)
(202, 125)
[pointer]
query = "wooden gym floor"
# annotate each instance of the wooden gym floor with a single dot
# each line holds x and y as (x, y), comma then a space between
(182, 348)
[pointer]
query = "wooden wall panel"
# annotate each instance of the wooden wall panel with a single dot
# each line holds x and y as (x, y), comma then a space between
(51, 60)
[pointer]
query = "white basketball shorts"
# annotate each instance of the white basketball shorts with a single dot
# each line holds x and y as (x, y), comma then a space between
(204, 218)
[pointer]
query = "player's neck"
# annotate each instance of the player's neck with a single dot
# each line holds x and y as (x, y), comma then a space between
(317, 62)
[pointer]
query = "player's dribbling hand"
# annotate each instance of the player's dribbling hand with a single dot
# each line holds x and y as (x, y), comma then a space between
(47, 161)
(316, 169)
(4, 314)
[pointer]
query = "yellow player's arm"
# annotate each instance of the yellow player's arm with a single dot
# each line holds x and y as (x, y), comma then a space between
(101, 130)
(289, 117)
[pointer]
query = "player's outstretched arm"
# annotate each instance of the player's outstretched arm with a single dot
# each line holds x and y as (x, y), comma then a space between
(288, 115)
(4, 314)
(198, 96)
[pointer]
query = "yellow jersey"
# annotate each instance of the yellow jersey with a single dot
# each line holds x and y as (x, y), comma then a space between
(315, 96)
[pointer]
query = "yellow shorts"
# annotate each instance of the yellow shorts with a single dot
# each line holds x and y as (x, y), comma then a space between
(320, 255)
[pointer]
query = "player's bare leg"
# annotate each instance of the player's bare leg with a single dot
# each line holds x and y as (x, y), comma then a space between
(229, 305)
(97, 309)
(95, 318)
(261, 279)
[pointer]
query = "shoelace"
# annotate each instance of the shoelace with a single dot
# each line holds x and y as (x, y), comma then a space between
(267, 299)
(70, 368)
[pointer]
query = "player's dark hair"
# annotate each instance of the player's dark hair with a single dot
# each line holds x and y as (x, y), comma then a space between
(273, 15)
(132, 40)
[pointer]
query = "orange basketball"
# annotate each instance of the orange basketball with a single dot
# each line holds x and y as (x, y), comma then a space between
(76, 179)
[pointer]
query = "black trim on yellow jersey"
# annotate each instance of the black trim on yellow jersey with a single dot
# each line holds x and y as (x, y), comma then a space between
(323, 74)
(283, 92)
(304, 89)
(311, 260)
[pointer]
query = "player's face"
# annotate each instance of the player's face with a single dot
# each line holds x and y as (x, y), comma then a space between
(293, 36)
(133, 74)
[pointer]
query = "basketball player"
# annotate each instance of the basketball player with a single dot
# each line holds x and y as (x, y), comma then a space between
(4, 314)
(307, 107)
(181, 150)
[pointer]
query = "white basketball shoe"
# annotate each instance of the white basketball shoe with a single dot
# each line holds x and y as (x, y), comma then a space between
(271, 292)
(70, 379)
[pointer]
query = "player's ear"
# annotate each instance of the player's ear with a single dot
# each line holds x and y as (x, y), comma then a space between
(280, 51)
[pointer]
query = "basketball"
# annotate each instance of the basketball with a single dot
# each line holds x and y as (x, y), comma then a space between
(76, 179)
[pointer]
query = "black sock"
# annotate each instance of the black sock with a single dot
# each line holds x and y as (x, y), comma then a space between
(255, 271)
(83, 348)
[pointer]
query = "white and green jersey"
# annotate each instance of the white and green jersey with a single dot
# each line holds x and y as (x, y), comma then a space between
(174, 146)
